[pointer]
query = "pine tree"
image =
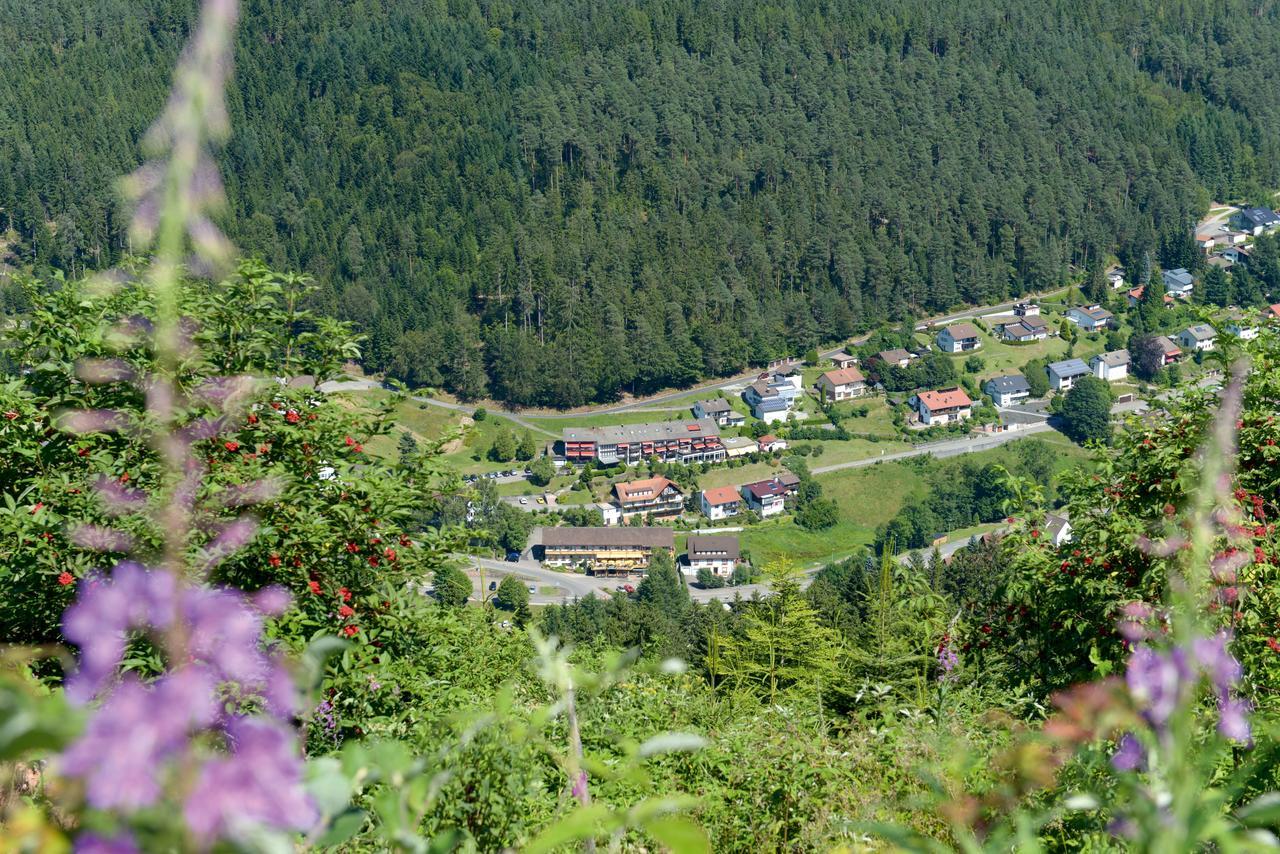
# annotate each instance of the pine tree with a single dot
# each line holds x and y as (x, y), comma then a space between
(527, 448)
(407, 447)
(783, 643)
(452, 586)
(662, 587)
(504, 447)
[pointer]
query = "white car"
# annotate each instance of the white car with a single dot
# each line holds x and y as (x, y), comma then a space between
(524, 501)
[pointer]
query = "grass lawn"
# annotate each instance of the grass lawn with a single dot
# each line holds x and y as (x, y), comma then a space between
(879, 418)
(855, 449)
(610, 419)
(727, 476)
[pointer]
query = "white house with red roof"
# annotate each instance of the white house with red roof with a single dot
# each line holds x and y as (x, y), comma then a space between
(721, 502)
(944, 406)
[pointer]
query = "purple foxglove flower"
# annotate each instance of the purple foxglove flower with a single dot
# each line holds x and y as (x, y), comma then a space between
(272, 601)
(1129, 755)
(1157, 682)
(580, 786)
(104, 612)
(259, 783)
(124, 750)
(99, 539)
(1212, 656)
(1233, 719)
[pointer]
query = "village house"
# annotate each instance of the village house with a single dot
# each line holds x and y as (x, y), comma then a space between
(1063, 375)
(654, 496)
(1091, 318)
(842, 360)
(769, 444)
(720, 502)
(771, 399)
(792, 375)
(1007, 390)
(944, 406)
(898, 357)
(1237, 254)
(841, 384)
(766, 497)
(1026, 309)
(1241, 327)
(1057, 528)
(1170, 352)
(1178, 283)
(1272, 312)
(679, 441)
(610, 514)
(1255, 221)
(1111, 366)
(1115, 278)
(1027, 329)
(720, 411)
(719, 554)
(1135, 297)
(606, 551)
(739, 446)
(1201, 337)
(959, 338)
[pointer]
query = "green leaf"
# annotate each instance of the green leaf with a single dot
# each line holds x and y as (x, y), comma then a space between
(343, 827)
(678, 834)
(582, 823)
(1263, 811)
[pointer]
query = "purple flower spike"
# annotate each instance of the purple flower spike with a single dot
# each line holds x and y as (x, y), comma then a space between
(106, 610)
(1157, 682)
(92, 843)
(272, 601)
(1212, 656)
(1233, 719)
(118, 499)
(127, 744)
(101, 371)
(260, 783)
(1129, 755)
(94, 421)
(99, 539)
(580, 786)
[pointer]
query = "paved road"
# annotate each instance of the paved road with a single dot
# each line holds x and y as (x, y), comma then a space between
(945, 448)
(1211, 226)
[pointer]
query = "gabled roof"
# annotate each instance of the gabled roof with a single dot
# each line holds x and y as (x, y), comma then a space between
(773, 403)
(702, 546)
(842, 356)
(962, 331)
(1054, 523)
(1201, 332)
(945, 398)
(718, 496)
(773, 487)
(1069, 368)
(715, 405)
(844, 376)
(893, 356)
(649, 537)
(1011, 384)
(1094, 312)
(1114, 359)
(1260, 216)
(1167, 345)
(642, 490)
(1273, 310)
(1179, 275)
(1024, 330)
(788, 370)
(767, 439)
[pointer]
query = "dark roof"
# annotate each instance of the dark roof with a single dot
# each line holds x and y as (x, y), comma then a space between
(620, 536)
(1201, 331)
(1009, 384)
(699, 545)
(718, 404)
(765, 488)
(1069, 368)
(1260, 216)
(789, 478)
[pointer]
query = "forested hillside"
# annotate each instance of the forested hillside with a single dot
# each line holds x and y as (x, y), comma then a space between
(553, 202)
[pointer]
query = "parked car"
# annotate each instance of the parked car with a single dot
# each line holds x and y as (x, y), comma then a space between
(628, 588)
(533, 589)
(528, 471)
(524, 501)
(542, 501)
(493, 585)
(512, 557)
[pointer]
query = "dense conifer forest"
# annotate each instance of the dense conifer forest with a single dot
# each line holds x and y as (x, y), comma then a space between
(558, 202)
